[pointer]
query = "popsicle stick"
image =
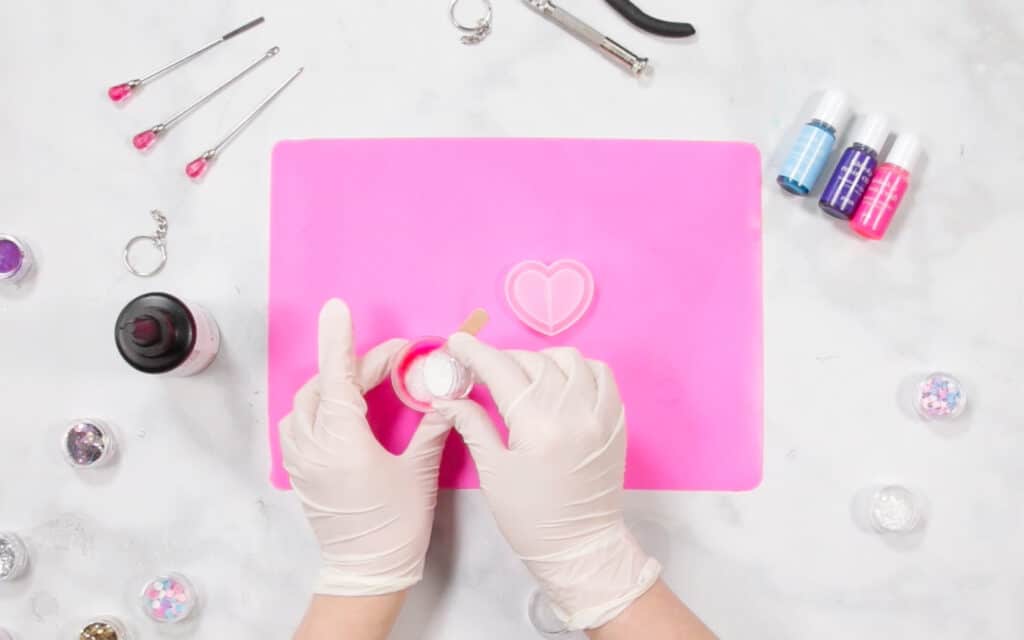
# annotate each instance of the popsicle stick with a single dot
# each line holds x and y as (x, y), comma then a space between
(475, 322)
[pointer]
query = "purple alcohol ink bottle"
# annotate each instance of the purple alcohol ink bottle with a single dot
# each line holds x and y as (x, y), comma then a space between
(846, 187)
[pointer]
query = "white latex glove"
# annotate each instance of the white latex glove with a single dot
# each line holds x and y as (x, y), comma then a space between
(557, 490)
(370, 510)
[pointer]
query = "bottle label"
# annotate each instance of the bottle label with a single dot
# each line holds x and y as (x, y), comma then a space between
(879, 205)
(849, 181)
(207, 343)
(809, 155)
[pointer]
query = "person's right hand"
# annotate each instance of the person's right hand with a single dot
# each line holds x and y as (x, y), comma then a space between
(556, 491)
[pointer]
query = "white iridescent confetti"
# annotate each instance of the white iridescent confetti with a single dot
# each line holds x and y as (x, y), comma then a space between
(895, 510)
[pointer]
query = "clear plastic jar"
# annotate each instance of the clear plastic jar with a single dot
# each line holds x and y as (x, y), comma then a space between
(103, 628)
(940, 396)
(542, 616)
(15, 259)
(893, 509)
(13, 556)
(169, 598)
(88, 444)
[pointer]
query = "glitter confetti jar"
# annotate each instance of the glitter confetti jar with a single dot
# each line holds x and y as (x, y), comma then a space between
(88, 444)
(895, 509)
(940, 396)
(169, 598)
(15, 259)
(13, 556)
(103, 628)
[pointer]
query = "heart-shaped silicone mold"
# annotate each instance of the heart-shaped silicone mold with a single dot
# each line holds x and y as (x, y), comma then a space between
(549, 298)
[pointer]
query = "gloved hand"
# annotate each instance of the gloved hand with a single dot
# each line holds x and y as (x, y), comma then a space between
(557, 490)
(370, 510)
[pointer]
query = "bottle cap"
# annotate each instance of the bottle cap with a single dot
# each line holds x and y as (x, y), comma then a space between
(905, 151)
(871, 131)
(833, 108)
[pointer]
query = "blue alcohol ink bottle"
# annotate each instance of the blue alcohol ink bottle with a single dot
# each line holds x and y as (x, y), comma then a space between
(810, 152)
(845, 189)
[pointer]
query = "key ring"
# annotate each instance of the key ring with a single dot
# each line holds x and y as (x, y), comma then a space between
(476, 33)
(158, 240)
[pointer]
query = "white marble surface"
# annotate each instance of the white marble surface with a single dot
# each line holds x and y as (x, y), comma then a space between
(847, 321)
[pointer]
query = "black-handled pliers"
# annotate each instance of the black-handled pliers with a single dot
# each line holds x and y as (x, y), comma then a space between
(650, 24)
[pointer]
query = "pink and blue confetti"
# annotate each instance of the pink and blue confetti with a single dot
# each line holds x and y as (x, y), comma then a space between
(169, 598)
(940, 396)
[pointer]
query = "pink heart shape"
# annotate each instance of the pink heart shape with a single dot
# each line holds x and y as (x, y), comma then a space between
(549, 298)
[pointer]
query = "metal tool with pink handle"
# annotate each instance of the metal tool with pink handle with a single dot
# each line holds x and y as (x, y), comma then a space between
(121, 92)
(145, 139)
(197, 168)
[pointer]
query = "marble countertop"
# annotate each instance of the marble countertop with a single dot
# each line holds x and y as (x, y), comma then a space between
(848, 322)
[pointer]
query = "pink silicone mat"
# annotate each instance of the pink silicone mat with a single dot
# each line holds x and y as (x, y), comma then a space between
(414, 234)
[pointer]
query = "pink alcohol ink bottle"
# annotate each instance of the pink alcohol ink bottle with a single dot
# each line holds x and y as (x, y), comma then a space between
(887, 188)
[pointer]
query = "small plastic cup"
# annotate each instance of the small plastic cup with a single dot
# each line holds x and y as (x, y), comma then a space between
(103, 628)
(13, 556)
(169, 598)
(424, 371)
(88, 444)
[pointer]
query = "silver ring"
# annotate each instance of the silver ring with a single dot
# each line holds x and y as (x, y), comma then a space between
(156, 242)
(476, 32)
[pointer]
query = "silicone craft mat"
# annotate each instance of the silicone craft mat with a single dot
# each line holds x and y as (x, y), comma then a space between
(414, 234)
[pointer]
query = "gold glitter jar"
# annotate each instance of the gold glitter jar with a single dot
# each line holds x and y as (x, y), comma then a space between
(103, 628)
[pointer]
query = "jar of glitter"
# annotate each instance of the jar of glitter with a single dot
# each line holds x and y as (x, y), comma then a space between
(103, 628)
(895, 510)
(87, 444)
(13, 556)
(169, 598)
(15, 259)
(940, 396)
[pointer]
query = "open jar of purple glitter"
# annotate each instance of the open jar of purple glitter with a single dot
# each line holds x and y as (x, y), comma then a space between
(88, 444)
(15, 259)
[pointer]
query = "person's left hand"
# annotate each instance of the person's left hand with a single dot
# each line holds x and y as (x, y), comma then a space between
(370, 510)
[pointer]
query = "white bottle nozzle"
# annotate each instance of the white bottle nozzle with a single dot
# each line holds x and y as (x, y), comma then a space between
(833, 108)
(871, 131)
(905, 151)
